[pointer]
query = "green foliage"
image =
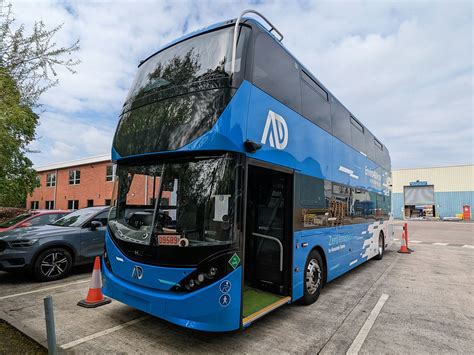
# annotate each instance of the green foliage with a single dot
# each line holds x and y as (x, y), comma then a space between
(17, 130)
(31, 59)
(28, 65)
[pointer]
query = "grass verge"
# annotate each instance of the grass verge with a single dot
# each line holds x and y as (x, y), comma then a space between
(12, 341)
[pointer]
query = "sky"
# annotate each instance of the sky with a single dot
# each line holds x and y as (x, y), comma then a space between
(404, 68)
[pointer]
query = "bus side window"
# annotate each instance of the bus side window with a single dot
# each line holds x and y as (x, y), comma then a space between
(312, 201)
(341, 126)
(315, 102)
(276, 72)
(357, 135)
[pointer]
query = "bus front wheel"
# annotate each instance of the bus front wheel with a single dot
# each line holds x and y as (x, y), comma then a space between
(313, 278)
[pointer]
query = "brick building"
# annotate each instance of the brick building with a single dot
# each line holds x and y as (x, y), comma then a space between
(85, 183)
(74, 184)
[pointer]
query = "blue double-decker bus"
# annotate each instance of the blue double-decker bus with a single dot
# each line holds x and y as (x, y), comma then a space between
(260, 186)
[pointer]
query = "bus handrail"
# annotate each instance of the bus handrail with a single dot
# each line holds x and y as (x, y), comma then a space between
(236, 30)
(275, 240)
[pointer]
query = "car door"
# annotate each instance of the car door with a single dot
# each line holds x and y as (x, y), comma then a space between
(92, 241)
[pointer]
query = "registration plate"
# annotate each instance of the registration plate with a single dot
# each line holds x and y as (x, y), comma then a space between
(167, 239)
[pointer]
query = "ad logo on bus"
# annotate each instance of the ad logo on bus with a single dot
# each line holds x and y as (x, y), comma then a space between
(137, 272)
(275, 131)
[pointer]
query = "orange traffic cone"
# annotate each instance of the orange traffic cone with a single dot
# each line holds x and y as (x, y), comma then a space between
(404, 246)
(95, 298)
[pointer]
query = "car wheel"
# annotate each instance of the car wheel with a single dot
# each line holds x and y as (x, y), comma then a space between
(52, 264)
(313, 278)
(380, 248)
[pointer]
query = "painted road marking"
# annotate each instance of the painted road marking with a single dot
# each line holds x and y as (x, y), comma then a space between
(103, 332)
(468, 246)
(441, 244)
(415, 241)
(364, 331)
(44, 289)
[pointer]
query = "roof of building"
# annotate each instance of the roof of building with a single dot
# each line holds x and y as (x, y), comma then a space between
(434, 167)
(77, 162)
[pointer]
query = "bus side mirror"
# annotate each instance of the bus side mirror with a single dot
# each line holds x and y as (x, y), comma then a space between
(251, 146)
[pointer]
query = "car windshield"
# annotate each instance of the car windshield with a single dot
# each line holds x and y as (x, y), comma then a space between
(75, 219)
(15, 220)
(192, 205)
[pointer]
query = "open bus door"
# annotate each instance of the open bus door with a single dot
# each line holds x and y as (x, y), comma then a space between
(268, 234)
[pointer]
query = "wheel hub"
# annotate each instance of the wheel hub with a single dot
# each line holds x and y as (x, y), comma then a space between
(313, 276)
(53, 264)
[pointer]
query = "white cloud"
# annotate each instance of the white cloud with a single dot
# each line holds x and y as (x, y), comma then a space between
(403, 68)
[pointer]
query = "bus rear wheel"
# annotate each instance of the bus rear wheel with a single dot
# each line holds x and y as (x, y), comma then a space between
(380, 248)
(313, 278)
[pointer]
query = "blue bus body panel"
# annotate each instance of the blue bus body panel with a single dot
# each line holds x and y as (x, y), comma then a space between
(202, 309)
(123, 268)
(310, 150)
(345, 247)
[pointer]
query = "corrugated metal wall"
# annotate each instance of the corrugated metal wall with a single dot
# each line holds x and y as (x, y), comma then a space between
(453, 186)
(444, 179)
(448, 204)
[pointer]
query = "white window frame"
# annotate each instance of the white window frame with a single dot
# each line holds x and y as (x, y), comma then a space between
(114, 170)
(75, 179)
(51, 180)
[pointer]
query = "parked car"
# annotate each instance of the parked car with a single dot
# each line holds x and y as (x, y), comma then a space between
(33, 218)
(50, 251)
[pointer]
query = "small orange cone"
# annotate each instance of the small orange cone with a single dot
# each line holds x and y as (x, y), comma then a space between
(404, 247)
(95, 298)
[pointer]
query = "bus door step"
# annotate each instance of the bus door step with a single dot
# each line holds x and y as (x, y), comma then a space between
(260, 313)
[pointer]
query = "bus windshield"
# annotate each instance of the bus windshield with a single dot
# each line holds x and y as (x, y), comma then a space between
(203, 57)
(192, 205)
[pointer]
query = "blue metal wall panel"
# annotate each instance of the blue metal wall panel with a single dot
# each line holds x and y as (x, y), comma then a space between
(448, 204)
(397, 205)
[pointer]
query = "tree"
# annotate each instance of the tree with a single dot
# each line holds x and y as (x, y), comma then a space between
(28, 65)
(17, 130)
(31, 59)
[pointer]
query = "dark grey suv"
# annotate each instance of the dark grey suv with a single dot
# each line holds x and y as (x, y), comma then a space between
(50, 251)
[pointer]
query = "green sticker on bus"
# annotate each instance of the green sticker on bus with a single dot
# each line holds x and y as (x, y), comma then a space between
(234, 261)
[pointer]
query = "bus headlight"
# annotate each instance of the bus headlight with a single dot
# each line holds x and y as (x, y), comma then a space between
(206, 273)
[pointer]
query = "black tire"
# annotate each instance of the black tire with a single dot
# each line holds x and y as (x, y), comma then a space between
(52, 264)
(380, 247)
(313, 278)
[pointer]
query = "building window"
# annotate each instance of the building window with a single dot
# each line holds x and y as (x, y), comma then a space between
(74, 177)
(110, 173)
(51, 180)
(34, 205)
(107, 202)
(73, 204)
(90, 203)
(49, 205)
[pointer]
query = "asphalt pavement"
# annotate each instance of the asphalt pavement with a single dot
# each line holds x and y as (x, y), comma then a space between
(417, 303)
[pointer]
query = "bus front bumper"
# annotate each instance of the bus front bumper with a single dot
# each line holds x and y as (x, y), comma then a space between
(203, 309)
